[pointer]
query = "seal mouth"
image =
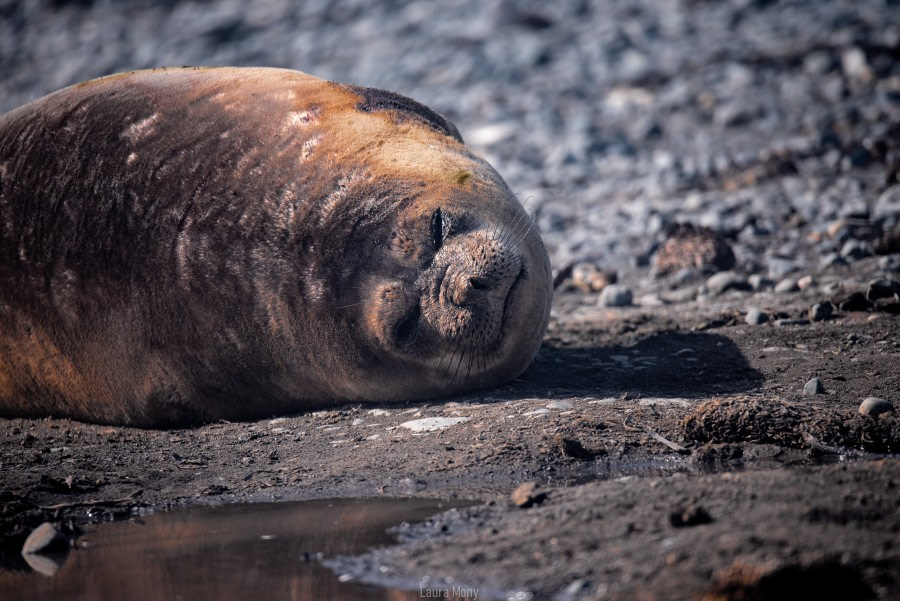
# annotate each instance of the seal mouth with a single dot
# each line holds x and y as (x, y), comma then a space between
(517, 283)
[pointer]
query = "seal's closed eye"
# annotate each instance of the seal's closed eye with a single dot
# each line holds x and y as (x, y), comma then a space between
(437, 229)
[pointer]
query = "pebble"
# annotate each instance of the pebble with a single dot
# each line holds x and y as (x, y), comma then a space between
(726, 280)
(820, 311)
(805, 282)
(760, 282)
(787, 285)
(889, 263)
(44, 539)
(855, 302)
(689, 246)
(694, 515)
(779, 266)
(883, 289)
(888, 204)
(615, 295)
(587, 277)
(832, 259)
(791, 322)
(855, 250)
(874, 406)
(527, 494)
(577, 586)
(560, 405)
(855, 65)
(430, 424)
(755, 317)
(814, 386)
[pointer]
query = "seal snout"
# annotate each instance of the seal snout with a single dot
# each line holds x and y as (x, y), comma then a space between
(464, 288)
(479, 271)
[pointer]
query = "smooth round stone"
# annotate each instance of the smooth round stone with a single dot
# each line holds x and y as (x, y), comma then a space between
(726, 280)
(874, 406)
(820, 311)
(615, 295)
(756, 317)
(787, 285)
(791, 322)
(760, 282)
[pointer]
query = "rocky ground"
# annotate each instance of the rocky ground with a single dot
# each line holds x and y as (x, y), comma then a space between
(671, 422)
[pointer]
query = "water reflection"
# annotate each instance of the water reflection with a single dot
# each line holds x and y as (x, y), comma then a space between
(252, 551)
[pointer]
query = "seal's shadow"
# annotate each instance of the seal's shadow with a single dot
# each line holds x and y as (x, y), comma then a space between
(667, 364)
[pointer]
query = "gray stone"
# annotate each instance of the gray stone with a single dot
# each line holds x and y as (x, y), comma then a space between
(760, 282)
(755, 317)
(855, 65)
(791, 322)
(888, 204)
(787, 285)
(726, 280)
(855, 250)
(814, 386)
(883, 288)
(889, 263)
(873, 406)
(780, 267)
(615, 295)
(832, 259)
(820, 311)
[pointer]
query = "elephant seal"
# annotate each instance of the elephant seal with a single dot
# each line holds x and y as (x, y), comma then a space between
(187, 245)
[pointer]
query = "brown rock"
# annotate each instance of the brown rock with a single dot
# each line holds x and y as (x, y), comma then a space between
(527, 494)
(691, 246)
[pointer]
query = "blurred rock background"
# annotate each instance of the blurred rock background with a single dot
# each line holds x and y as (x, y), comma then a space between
(776, 124)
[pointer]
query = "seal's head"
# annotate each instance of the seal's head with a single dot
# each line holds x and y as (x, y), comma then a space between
(470, 304)
(451, 289)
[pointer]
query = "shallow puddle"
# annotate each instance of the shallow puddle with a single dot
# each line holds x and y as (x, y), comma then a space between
(251, 552)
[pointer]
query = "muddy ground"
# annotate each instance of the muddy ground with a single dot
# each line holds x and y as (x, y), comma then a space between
(793, 486)
(674, 452)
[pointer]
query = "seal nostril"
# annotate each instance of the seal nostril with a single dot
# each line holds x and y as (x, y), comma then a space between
(478, 284)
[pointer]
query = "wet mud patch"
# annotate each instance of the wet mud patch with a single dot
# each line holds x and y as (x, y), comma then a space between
(753, 535)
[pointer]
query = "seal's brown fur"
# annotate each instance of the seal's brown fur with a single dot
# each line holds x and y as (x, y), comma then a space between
(181, 245)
